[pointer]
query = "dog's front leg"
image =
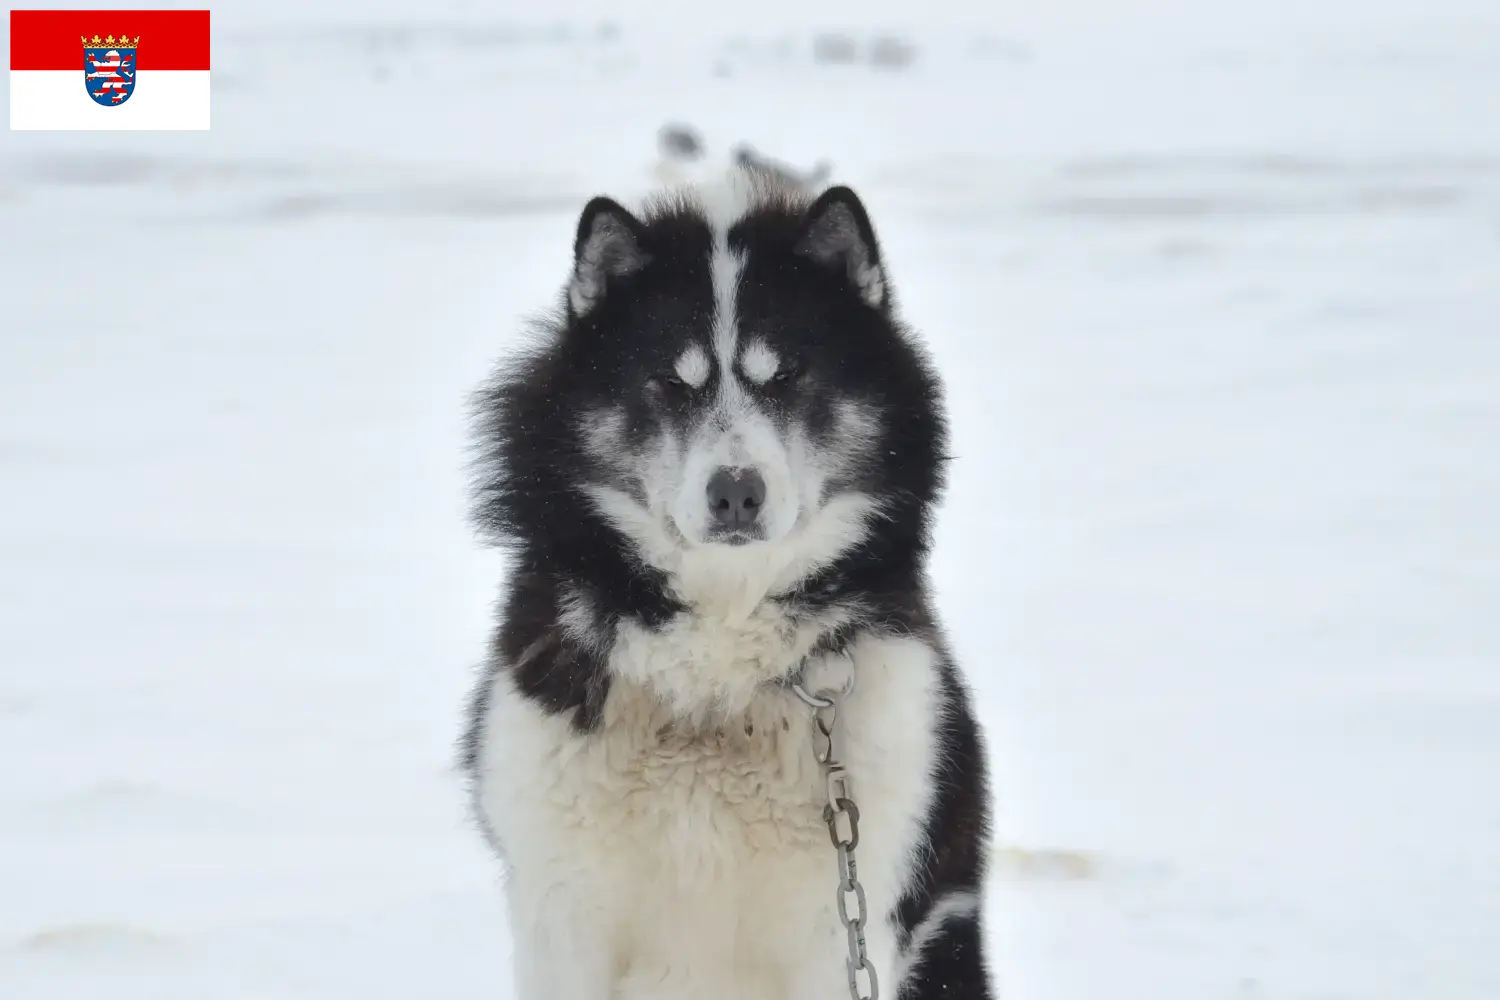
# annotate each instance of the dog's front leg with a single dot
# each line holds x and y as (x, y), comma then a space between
(564, 949)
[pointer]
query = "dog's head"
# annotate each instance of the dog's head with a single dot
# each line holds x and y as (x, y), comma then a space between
(729, 389)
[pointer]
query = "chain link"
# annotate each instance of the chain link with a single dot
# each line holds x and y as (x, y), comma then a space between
(842, 818)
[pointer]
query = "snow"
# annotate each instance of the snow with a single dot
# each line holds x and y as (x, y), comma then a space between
(1215, 288)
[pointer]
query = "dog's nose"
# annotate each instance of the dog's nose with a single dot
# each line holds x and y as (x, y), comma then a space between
(735, 496)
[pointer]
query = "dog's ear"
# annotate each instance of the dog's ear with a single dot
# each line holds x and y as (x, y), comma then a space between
(607, 248)
(837, 234)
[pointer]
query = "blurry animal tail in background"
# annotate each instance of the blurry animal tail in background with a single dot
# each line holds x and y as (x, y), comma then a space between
(683, 155)
(679, 142)
(746, 156)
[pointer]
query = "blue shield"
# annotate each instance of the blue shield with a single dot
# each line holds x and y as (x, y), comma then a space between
(109, 73)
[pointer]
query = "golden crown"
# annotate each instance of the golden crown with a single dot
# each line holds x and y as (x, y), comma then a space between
(110, 42)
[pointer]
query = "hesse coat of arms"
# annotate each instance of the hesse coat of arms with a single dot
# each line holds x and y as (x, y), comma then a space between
(109, 68)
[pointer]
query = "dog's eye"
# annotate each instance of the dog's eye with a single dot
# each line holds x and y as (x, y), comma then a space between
(788, 372)
(673, 384)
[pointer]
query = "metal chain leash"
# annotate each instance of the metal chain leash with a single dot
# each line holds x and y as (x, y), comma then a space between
(842, 817)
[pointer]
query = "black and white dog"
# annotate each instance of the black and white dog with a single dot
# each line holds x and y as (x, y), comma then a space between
(715, 470)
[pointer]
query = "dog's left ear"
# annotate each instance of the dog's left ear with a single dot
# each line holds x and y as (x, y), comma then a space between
(837, 234)
(606, 249)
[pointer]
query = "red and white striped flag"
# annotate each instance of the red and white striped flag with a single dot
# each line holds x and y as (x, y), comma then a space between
(109, 69)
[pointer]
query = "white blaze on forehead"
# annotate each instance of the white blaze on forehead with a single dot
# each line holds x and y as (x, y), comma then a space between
(723, 204)
(693, 366)
(759, 362)
(726, 276)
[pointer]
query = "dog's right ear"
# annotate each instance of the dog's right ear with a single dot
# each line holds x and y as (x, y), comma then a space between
(838, 235)
(608, 247)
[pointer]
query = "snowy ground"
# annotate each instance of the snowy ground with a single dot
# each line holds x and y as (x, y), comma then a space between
(1217, 291)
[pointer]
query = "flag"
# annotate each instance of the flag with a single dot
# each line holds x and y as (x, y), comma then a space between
(109, 69)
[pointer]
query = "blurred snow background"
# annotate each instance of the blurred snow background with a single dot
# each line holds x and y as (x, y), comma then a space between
(1216, 288)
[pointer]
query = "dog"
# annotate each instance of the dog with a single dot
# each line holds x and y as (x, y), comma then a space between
(717, 675)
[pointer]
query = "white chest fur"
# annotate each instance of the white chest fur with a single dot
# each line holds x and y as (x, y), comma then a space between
(675, 855)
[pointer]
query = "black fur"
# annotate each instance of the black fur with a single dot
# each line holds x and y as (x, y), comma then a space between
(799, 294)
(957, 834)
(952, 966)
